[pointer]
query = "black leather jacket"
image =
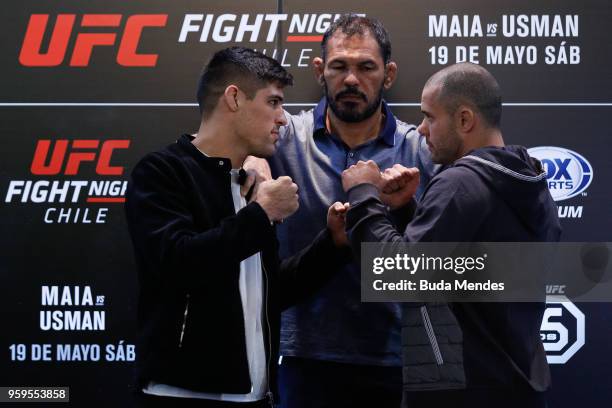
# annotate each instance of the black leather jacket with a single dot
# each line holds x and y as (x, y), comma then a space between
(189, 243)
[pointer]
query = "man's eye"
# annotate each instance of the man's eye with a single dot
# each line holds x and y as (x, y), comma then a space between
(274, 102)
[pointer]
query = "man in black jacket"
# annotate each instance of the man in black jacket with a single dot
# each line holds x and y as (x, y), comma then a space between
(211, 284)
(486, 192)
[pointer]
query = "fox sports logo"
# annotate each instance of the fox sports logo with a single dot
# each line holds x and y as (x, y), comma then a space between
(567, 172)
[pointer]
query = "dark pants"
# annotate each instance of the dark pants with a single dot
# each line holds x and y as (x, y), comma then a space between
(486, 398)
(151, 401)
(314, 383)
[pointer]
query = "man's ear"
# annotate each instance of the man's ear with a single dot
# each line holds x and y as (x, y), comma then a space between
(465, 118)
(318, 66)
(390, 74)
(231, 97)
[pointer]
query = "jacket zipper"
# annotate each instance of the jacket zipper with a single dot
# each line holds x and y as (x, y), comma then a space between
(269, 394)
(184, 321)
(432, 335)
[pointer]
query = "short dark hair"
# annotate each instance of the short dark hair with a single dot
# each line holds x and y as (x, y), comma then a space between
(352, 24)
(471, 84)
(249, 70)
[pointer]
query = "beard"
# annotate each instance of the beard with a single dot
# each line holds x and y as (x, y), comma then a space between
(449, 151)
(348, 111)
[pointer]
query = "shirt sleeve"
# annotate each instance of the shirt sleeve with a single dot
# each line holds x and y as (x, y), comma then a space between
(448, 212)
(302, 274)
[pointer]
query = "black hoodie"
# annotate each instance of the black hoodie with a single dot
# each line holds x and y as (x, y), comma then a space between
(489, 195)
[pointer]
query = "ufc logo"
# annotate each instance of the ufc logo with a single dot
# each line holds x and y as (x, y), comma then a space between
(80, 151)
(127, 55)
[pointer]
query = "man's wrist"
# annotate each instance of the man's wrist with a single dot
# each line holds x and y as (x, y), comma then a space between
(362, 192)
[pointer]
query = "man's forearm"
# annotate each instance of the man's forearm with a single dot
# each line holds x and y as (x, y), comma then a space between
(368, 219)
(310, 268)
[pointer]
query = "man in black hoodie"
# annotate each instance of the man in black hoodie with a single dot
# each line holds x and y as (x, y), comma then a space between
(486, 192)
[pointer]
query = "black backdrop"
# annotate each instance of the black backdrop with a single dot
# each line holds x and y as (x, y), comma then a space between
(139, 90)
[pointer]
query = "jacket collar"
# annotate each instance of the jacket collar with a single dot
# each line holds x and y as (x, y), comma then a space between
(222, 164)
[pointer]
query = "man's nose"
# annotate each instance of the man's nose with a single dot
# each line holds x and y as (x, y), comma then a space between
(351, 79)
(422, 128)
(281, 119)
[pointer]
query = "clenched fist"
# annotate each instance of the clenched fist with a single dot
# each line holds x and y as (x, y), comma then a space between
(362, 172)
(278, 198)
(399, 185)
(336, 223)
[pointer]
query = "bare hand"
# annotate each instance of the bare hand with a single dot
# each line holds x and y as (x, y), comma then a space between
(362, 172)
(399, 185)
(278, 198)
(336, 223)
(258, 171)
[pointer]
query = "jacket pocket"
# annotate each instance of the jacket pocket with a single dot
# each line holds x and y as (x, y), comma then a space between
(431, 335)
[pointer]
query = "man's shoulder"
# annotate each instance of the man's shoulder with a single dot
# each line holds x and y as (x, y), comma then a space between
(413, 148)
(300, 126)
(163, 158)
(407, 136)
(302, 118)
(407, 130)
(459, 180)
(303, 115)
(456, 174)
